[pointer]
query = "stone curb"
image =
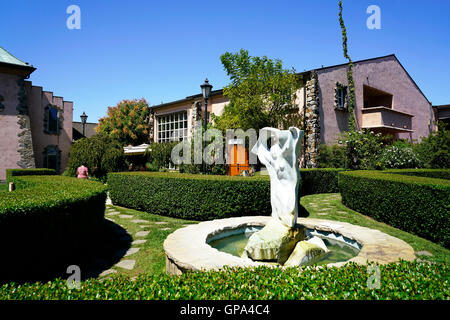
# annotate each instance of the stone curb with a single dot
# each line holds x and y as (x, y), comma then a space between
(187, 248)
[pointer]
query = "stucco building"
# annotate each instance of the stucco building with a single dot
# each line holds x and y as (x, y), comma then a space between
(387, 100)
(35, 125)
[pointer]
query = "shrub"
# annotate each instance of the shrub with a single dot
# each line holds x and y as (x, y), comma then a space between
(394, 157)
(363, 149)
(332, 156)
(43, 220)
(434, 151)
(206, 197)
(101, 153)
(419, 205)
(160, 154)
(404, 280)
(323, 180)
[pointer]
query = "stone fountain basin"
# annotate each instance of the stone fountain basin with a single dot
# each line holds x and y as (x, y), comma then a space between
(188, 249)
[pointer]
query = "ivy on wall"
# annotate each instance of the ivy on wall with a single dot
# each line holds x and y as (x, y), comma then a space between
(351, 84)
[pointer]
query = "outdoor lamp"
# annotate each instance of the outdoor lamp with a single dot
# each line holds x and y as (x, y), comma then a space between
(206, 89)
(83, 121)
(206, 92)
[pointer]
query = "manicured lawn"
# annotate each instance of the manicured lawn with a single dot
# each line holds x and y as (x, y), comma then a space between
(3, 187)
(151, 259)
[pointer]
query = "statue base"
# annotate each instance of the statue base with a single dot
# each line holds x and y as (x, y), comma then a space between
(275, 242)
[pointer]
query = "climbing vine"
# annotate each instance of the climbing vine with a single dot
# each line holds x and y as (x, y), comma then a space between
(351, 84)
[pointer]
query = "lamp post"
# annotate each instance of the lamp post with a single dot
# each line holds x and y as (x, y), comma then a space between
(206, 92)
(83, 121)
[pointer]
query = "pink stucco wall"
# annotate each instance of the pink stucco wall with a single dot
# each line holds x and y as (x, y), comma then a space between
(9, 128)
(385, 74)
(37, 101)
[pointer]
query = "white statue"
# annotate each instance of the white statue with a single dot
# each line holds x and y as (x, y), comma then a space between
(281, 161)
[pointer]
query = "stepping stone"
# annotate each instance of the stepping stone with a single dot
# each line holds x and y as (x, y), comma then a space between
(166, 228)
(126, 264)
(109, 219)
(126, 216)
(141, 233)
(144, 226)
(131, 251)
(139, 221)
(107, 272)
(135, 242)
(424, 253)
(112, 213)
(161, 222)
(322, 213)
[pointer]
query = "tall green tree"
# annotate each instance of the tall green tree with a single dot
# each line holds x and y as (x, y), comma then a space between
(261, 93)
(351, 83)
(127, 122)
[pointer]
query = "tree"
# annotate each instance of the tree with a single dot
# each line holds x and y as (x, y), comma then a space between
(101, 153)
(261, 93)
(127, 122)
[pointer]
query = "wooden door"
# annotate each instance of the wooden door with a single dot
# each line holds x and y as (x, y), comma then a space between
(239, 159)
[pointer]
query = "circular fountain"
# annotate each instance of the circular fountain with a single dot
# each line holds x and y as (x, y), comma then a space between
(281, 240)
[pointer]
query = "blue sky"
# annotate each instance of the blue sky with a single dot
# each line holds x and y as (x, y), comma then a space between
(163, 50)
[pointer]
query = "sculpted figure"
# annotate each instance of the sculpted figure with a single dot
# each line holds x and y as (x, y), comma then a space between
(280, 235)
(281, 161)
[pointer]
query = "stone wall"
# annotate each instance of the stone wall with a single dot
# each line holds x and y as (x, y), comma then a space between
(312, 122)
(196, 114)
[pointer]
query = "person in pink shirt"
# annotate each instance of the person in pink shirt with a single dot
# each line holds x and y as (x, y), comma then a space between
(82, 171)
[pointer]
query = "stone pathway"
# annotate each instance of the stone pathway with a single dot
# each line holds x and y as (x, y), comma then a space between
(127, 264)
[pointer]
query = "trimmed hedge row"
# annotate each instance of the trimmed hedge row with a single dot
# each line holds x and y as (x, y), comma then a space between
(206, 197)
(45, 218)
(428, 173)
(415, 204)
(404, 280)
(11, 173)
(190, 196)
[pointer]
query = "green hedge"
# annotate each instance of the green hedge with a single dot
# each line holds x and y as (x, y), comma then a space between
(206, 197)
(324, 180)
(415, 204)
(428, 173)
(404, 280)
(11, 173)
(45, 218)
(190, 196)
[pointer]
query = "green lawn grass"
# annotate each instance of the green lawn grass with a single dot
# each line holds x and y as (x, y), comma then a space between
(3, 187)
(150, 258)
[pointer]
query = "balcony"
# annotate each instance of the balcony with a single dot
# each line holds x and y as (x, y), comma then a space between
(386, 120)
